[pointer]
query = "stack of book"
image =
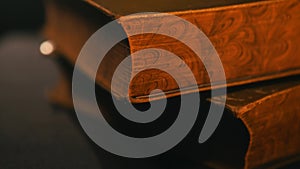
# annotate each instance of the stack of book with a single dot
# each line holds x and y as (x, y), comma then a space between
(257, 43)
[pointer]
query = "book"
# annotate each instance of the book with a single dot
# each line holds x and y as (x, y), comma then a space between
(255, 40)
(269, 112)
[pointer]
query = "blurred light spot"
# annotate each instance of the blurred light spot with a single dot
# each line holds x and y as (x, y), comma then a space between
(47, 48)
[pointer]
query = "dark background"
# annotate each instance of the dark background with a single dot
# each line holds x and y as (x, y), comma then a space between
(34, 134)
(21, 15)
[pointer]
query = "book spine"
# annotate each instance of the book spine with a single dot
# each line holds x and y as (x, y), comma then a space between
(270, 112)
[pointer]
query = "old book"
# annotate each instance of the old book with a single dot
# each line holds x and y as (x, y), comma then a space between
(256, 40)
(270, 112)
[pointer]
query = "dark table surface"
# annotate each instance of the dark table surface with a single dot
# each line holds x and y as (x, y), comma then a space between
(33, 134)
